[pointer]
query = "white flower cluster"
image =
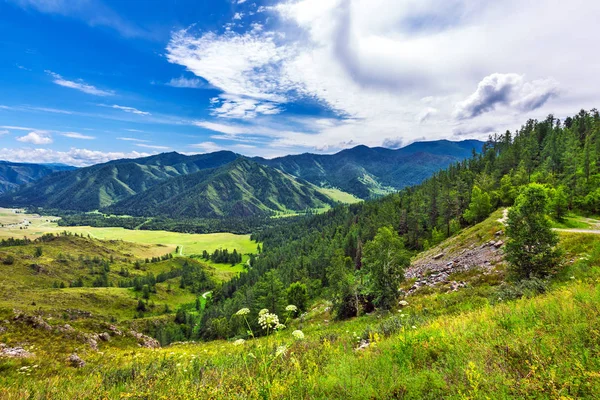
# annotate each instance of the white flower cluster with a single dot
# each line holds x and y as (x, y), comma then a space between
(239, 342)
(263, 312)
(298, 334)
(281, 351)
(243, 311)
(267, 320)
(291, 308)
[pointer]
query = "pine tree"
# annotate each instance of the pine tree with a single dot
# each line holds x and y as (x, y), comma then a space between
(531, 250)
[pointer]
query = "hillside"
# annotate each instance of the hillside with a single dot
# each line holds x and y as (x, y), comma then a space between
(442, 341)
(366, 172)
(101, 185)
(13, 175)
(241, 188)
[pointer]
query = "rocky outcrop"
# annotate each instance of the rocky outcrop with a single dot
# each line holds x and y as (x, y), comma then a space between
(75, 361)
(14, 352)
(145, 341)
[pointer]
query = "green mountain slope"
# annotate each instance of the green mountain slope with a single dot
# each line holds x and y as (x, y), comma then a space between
(101, 185)
(13, 175)
(367, 172)
(240, 188)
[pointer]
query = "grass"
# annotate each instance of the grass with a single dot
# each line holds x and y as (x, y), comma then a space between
(339, 195)
(468, 344)
(162, 241)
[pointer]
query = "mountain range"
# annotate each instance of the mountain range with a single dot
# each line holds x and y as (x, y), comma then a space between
(227, 184)
(13, 175)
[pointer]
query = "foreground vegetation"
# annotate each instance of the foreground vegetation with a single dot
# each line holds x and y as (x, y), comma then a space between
(499, 341)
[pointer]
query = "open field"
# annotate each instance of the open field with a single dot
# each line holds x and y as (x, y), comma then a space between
(33, 226)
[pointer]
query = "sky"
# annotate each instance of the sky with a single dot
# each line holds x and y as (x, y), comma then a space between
(87, 81)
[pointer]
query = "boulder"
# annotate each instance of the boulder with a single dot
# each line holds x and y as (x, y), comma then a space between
(75, 361)
(438, 256)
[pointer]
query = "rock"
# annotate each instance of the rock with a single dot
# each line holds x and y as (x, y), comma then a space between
(115, 330)
(33, 320)
(499, 233)
(75, 361)
(14, 352)
(145, 341)
(363, 345)
(438, 256)
(2, 329)
(499, 244)
(104, 336)
(93, 344)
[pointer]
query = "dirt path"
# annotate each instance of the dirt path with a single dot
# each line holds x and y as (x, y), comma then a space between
(590, 231)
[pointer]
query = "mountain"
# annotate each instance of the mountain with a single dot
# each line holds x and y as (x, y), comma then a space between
(241, 188)
(13, 175)
(367, 172)
(361, 171)
(101, 185)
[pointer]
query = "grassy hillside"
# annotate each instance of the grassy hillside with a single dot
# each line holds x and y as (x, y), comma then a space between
(238, 189)
(487, 339)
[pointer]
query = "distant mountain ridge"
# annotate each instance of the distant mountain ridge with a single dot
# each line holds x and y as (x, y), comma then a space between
(241, 188)
(206, 185)
(370, 171)
(13, 175)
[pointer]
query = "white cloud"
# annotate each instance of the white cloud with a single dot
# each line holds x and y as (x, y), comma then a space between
(129, 139)
(74, 156)
(4, 132)
(238, 16)
(92, 12)
(75, 135)
(151, 146)
(509, 90)
(373, 69)
(130, 110)
(79, 85)
(207, 147)
(182, 82)
(38, 138)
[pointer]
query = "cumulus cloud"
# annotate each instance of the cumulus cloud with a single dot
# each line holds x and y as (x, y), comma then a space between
(75, 135)
(79, 85)
(393, 143)
(74, 156)
(39, 138)
(130, 110)
(510, 90)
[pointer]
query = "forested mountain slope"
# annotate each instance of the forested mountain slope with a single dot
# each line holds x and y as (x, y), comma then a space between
(366, 172)
(13, 175)
(324, 250)
(101, 185)
(240, 188)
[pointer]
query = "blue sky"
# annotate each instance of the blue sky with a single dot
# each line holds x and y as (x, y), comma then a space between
(86, 81)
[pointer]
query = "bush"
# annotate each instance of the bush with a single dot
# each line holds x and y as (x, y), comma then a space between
(8, 260)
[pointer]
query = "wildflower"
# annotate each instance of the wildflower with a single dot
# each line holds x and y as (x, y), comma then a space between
(279, 327)
(291, 308)
(414, 327)
(281, 351)
(243, 311)
(239, 342)
(268, 321)
(403, 303)
(263, 312)
(298, 334)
